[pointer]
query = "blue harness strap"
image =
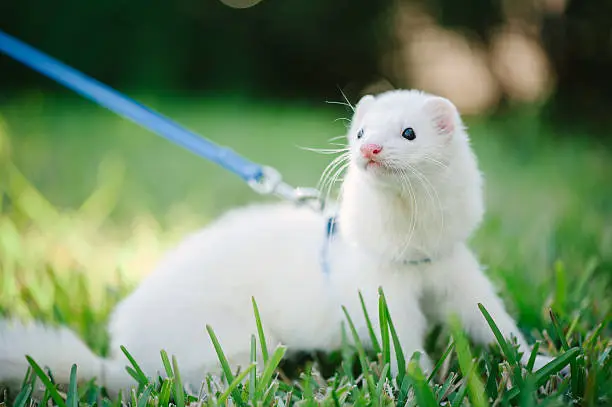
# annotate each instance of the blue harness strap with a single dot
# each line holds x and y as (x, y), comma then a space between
(330, 231)
(332, 225)
(126, 107)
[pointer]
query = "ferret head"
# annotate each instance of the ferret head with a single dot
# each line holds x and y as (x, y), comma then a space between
(399, 133)
(413, 181)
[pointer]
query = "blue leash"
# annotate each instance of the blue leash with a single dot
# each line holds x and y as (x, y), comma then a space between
(126, 107)
(262, 179)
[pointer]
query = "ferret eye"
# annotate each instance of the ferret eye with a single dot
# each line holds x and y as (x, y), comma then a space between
(409, 133)
(360, 134)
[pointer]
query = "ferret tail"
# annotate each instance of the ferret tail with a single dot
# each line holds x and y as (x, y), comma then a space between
(55, 349)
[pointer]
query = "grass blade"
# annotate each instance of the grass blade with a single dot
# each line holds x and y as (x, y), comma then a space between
(532, 357)
(373, 338)
(527, 392)
(166, 363)
(49, 386)
(227, 371)
(134, 398)
(90, 392)
(555, 366)
(506, 349)
(72, 397)
(361, 353)
(397, 346)
(269, 369)
(440, 362)
(491, 384)
(347, 355)
(404, 390)
(423, 393)
(560, 298)
(441, 391)
(475, 386)
(137, 372)
(119, 401)
(167, 368)
(384, 331)
(179, 395)
(593, 336)
(23, 397)
(29, 376)
(143, 400)
(564, 345)
(460, 396)
(381, 382)
(269, 394)
(308, 394)
(234, 385)
(165, 392)
(253, 372)
(132, 373)
(577, 370)
(260, 332)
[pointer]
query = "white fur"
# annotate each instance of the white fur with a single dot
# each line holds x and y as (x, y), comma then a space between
(423, 201)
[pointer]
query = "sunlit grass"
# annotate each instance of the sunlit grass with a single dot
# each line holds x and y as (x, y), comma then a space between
(90, 202)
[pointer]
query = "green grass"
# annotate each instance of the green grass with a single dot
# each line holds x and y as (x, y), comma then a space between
(90, 202)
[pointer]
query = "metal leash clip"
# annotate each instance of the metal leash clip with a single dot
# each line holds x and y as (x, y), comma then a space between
(271, 182)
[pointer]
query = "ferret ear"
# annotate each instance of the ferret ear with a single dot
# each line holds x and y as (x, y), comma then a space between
(443, 115)
(362, 106)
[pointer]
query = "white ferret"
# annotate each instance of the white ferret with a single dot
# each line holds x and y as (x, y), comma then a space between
(411, 197)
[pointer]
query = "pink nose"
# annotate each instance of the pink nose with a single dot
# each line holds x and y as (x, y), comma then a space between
(370, 150)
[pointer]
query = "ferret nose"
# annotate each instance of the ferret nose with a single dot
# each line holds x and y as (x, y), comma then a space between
(370, 150)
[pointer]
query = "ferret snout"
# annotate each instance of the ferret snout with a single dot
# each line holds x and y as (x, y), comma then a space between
(370, 151)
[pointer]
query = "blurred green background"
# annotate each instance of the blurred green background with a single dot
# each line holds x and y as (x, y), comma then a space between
(84, 190)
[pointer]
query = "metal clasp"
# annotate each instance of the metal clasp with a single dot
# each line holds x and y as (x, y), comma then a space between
(271, 182)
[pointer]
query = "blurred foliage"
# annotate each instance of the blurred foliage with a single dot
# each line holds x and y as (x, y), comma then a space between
(301, 49)
(277, 48)
(576, 37)
(579, 43)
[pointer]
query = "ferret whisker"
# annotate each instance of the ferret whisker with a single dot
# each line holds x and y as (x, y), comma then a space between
(428, 187)
(334, 162)
(347, 101)
(330, 180)
(334, 179)
(413, 213)
(343, 146)
(333, 102)
(331, 167)
(341, 137)
(436, 162)
(324, 150)
(327, 180)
